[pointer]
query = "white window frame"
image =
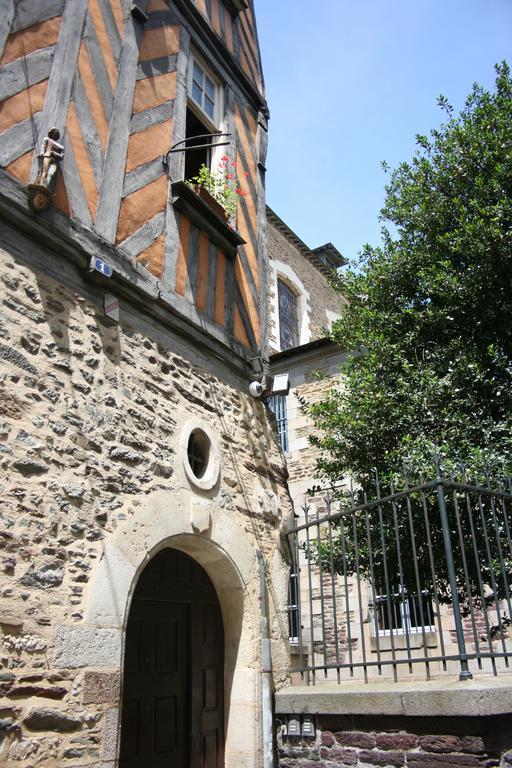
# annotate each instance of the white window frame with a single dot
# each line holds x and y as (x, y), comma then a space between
(218, 109)
(406, 628)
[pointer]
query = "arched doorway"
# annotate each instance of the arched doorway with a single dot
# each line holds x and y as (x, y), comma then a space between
(173, 702)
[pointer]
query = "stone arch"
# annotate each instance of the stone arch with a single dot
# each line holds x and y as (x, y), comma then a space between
(172, 708)
(231, 563)
(283, 272)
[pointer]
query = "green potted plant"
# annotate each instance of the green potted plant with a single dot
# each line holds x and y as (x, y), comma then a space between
(220, 189)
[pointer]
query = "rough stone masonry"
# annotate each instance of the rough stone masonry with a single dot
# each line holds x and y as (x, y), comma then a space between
(90, 418)
(407, 742)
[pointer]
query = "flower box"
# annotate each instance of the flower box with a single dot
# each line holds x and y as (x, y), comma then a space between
(211, 202)
(186, 200)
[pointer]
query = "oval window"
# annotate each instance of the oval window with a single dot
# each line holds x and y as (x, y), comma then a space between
(198, 452)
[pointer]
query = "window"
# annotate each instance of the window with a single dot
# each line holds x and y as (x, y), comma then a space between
(198, 452)
(293, 605)
(200, 455)
(277, 404)
(204, 115)
(195, 158)
(205, 93)
(288, 320)
(404, 614)
(203, 90)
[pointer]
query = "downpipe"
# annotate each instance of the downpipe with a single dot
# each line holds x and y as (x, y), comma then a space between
(266, 670)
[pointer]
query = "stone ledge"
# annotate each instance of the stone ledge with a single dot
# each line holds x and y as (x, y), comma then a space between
(483, 696)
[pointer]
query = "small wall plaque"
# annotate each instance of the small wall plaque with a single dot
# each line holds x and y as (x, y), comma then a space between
(99, 268)
(111, 307)
(280, 384)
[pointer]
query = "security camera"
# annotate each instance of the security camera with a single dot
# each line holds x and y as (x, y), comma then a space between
(256, 388)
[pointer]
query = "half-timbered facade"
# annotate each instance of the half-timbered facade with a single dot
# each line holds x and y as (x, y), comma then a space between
(119, 87)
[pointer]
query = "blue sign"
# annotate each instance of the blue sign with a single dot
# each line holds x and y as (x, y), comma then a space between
(98, 265)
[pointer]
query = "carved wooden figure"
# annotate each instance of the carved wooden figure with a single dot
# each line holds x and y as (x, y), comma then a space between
(42, 190)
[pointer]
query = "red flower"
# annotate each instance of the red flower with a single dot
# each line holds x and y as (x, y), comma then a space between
(224, 159)
(246, 175)
(229, 176)
(233, 164)
(240, 192)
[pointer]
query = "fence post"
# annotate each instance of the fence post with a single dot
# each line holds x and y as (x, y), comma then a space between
(465, 673)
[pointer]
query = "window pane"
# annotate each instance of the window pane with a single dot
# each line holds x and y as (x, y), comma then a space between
(198, 74)
(197, 94)
(208, 107)
(209, 87)
(195, 158)
(288, 321)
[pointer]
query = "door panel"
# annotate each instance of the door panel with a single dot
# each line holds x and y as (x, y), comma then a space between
(167, 646)
(173, 702)
(156, 685)
(166, 724)
(211, 749)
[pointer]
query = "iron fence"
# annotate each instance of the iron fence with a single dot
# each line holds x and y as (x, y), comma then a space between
(413, 581)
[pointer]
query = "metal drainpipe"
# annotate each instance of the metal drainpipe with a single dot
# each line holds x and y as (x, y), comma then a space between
(266, 670)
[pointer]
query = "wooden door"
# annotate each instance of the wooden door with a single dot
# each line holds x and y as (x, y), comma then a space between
(173, 702)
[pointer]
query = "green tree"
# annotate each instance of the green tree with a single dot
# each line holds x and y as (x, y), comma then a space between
(430, 310)
(429, 320)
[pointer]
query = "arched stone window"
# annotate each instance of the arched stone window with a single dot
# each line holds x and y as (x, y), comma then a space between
(288, 317)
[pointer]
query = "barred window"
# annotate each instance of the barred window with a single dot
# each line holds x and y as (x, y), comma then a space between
(404, 613)
(277, 404)
(293, 605)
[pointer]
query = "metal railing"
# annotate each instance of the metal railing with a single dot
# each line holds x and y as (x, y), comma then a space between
(416, 580)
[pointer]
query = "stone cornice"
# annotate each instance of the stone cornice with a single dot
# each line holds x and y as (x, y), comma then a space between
(310, 254)
(317, 350)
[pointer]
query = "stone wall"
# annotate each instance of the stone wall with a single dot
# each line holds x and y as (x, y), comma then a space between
(302, 458)
(92, 482)
(415, 742)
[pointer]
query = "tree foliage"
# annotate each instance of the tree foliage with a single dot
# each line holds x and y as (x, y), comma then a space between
(429, 323)
(430, 309)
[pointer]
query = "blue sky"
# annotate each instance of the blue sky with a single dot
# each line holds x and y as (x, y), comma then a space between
(349, 84)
